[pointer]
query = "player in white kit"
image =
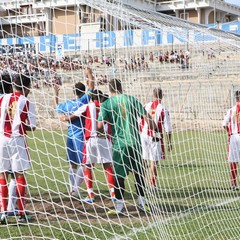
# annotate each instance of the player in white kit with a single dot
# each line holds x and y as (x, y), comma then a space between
(5, 88)
(152, 141)
(17, 116)
(231, 124)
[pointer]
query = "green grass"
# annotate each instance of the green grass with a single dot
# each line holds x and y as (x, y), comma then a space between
(193, 201)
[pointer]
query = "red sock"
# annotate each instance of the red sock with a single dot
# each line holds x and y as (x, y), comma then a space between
(21, 192)
(88, 178)
(4, 194)
(153, 182)
(233, 170)
(110, 177)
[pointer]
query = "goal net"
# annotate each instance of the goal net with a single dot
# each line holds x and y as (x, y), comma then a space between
(197, 68)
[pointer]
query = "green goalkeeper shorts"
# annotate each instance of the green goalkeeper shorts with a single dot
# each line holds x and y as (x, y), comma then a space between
(127, 159)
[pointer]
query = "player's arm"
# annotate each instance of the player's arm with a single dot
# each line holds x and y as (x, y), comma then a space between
(226, 121)
(30, 124)
(77, 114)
(150, 121)
(102, 117)
(168, 129)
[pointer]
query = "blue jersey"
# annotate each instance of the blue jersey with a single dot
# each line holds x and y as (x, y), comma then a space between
(76, 126)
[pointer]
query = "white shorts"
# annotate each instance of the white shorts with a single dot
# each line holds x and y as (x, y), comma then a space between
(98, 150)
(14, 155)
(151, 150)
(234, 148)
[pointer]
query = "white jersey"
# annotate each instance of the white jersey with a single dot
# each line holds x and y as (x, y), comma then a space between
(90, 111)
(16, 112)
(160, 116)
(232, 120)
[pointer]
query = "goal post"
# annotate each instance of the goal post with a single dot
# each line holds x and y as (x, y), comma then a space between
(197, 68)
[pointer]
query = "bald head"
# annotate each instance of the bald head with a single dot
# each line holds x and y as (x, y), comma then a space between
(157, 93)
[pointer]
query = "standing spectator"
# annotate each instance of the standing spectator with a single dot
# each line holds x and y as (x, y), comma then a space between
(122, 112)
(231, 124)
(17, 117)
(152, 142)
(75, 136)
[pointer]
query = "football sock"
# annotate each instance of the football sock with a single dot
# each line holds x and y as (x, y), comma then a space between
(4, 194)
(12, 196)
(88, 178)
(72, 177)
(233, 170)
(79, 177)
(21, 191)
(110, 177)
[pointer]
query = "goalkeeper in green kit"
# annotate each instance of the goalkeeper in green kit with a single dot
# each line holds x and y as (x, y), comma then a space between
(123, 113)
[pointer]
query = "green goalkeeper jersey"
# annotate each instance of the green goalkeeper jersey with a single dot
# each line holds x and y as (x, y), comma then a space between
(123, 113)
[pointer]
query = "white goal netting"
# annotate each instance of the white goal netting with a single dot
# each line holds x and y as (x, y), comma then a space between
(197, 68)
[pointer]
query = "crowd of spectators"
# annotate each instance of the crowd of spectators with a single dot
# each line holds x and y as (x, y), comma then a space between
(46, 69)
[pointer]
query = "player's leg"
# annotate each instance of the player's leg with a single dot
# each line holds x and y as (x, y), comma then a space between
(138, 172)
(89, 160)
(3, 196)
(5, 166)
(121, 171)
(89, 182)
(73, 164)
(20, 163)
(110, 178)
(12, 198)
(78, 145)
(105, 157)
(156, 154)
(233, 173)
(234, 158)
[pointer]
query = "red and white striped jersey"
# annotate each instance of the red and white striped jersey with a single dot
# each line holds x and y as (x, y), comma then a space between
(160, 116)
(16, 112)
(232, 120)
(90, 111)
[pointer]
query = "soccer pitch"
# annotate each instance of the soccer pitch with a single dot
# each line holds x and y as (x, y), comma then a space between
(193, 200)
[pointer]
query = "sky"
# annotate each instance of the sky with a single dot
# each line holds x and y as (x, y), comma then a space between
(236, 2)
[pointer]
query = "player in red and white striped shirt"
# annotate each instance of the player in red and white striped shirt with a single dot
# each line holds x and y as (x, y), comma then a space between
(98, 146)
(5, 88)
(152, 141)
(231, 124)
(17, 116)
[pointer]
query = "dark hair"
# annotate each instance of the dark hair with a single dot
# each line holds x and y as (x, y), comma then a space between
(237, 94)
(115, 85)
(104, 98)
(157, 93)
(97, 94)
(79, 89)
(6, 84)
(22, 81)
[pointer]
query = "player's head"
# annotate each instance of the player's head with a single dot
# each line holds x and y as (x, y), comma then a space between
(96, 96)
(79, 89)
(237, 95)
(157, 93)
(6, 84)
(115, 86)
(104, 97)
(22, 83)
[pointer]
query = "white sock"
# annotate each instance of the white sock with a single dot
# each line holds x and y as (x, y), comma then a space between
(12, 191)
(79, 177)
(141, 200)
(119, 204)
(72, 178)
